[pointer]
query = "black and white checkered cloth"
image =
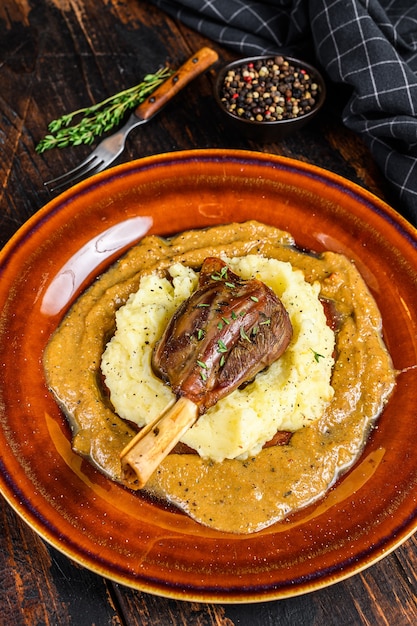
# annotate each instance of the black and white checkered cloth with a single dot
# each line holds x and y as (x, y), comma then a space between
(370, 46)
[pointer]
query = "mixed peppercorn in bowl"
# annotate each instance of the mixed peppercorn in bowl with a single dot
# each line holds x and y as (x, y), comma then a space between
(268, 97)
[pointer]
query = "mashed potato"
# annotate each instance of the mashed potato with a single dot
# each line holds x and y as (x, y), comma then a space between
(289, 395)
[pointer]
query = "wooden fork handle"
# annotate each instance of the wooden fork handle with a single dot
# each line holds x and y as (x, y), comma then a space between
(141, 457)
(196, 65)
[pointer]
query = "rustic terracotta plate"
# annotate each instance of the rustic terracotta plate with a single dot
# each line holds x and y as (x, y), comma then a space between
(123, 536)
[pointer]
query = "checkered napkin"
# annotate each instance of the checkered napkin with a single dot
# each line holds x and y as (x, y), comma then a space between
(369, 46)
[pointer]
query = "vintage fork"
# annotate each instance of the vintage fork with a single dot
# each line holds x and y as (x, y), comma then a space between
(109, 149)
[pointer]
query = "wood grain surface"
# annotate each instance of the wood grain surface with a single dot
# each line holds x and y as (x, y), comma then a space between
(57, 56)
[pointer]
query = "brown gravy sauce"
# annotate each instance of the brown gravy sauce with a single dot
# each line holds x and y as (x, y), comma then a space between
(232, 496)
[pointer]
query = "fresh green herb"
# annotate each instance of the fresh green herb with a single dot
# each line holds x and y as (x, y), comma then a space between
(317, 356)
(225, 320)
(100, 117)
(254, 298)
(220, 275)
(220, 325)
(230, 285)
(234, 316)
(202, 304)
(243, 334)
(200, 334)
(203, 370)
(266, 322)
(221, 346)
(222, 360)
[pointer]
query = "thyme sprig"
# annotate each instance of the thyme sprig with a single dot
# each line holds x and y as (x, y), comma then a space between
(101, 117)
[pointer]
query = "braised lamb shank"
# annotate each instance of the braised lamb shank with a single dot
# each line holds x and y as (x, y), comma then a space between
(218, 339)
(222, 336)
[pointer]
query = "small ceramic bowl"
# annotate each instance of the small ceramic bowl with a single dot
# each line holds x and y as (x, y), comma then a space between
(266, 98)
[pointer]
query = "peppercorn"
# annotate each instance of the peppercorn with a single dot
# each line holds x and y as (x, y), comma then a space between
(269, 90)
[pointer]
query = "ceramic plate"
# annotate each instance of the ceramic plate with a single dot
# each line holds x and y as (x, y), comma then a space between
(122, 535)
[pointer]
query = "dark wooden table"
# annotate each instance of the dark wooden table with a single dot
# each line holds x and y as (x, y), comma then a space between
(59, 55)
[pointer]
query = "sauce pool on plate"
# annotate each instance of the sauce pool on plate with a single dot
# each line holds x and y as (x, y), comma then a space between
(234, 495)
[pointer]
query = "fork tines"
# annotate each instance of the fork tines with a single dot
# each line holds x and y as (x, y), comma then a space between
(92, 164)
